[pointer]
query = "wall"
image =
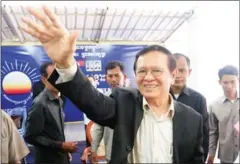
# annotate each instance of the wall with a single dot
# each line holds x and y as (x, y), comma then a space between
(211, 40)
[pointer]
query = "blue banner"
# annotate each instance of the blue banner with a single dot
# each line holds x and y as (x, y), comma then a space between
(20, 70)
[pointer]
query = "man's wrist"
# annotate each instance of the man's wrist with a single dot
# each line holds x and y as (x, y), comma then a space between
(66, 65)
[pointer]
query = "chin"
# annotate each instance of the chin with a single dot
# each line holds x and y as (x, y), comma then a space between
(149, 95)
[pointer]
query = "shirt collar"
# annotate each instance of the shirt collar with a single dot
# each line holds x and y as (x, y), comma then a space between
(146, 106)
(224, 99)
(186, 91)
(50, 95)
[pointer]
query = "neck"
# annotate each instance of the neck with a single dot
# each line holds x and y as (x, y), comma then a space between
(159, 104)
(231, 96)
(177, 90)
(55, 94)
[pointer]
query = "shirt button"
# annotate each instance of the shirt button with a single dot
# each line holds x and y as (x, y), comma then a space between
(236, 145)
(128, 148)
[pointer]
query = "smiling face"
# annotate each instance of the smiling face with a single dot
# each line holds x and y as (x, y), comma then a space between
(153, 75)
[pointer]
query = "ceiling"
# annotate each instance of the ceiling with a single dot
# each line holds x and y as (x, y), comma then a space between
(101, 24)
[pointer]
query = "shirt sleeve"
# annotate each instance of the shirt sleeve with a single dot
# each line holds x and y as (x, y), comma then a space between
(66, 74)
(17, 147)
(213, 132)
(97, 136)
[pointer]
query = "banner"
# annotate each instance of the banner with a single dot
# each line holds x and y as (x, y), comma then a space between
(20, 70)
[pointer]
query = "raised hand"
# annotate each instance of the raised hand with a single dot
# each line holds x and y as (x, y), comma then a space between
(58, 43)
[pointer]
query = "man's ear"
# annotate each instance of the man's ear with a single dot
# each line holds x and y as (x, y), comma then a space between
(174, 75)
(43, 79)
(124, 76)
(190, 71)
(219, 81)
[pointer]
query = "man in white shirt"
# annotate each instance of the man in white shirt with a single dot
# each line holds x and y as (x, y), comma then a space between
(13, 148)
(224, 115)
(149, 126)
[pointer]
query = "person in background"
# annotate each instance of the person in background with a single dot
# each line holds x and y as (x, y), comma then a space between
(39, 86)
(85, 118)
(19, 115)
(186, 95)
(13, 148)
(115, 77)
(45, 125)
(149, 126)
(223, 116)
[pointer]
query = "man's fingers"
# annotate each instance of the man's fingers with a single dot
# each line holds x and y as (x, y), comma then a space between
(73, 40)
(30, 30)
(52, 16)
(36, 27)
(40, 16)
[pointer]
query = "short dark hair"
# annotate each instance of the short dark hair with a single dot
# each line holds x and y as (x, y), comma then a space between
(227, 70)
(114, 64)
(178, 55)
(171, 59)
(43, 69)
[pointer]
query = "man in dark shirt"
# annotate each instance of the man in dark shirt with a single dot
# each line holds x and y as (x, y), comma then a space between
(39, 86)
(190, 97)
(45, 125)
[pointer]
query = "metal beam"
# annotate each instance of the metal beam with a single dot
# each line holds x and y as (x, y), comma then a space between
(4, 36)
(66, 17)
(140, 16)
(111, 24)
(101, 28)
(139, 36)
(129, 20)
(120, 22)
(121, 29)
(159, 36)
(11, 21)
(84, 24)
(76, 12)
(154, 21)
(180, 23)
(94, 21)
(160, 22)
(81, 14)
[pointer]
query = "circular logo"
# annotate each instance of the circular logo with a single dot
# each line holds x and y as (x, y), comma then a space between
(16, 83)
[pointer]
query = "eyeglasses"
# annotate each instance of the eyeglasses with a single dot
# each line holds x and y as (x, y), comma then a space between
(155, 72)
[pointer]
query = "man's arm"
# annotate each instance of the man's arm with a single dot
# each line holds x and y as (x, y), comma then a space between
(97, 136)
(72, 83)
(34, 128)
(198, 156)
(204, 113)
(213, 133)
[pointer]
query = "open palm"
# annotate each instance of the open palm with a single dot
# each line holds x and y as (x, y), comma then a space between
(56, 40)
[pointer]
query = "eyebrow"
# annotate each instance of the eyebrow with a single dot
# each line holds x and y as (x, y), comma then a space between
(154, 67)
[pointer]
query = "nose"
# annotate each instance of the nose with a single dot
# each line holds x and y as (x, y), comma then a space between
(114, 79)
(177, 74)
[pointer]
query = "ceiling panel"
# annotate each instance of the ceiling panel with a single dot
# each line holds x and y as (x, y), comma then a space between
(101, 24)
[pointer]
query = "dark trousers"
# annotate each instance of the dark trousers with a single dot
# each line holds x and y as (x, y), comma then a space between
(88, 144)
